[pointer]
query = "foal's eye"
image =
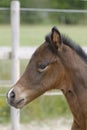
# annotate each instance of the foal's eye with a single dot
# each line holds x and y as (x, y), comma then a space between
(42, 67)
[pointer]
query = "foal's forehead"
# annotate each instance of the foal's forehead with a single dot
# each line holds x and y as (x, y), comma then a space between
(42, 50)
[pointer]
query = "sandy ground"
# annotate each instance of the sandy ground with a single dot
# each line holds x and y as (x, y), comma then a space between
(57, 124)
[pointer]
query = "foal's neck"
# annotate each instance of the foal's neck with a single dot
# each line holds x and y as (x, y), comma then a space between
(76, 68)
(76, 93)
(75, 89)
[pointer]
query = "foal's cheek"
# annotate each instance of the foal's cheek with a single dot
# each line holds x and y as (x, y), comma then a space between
(48, 80)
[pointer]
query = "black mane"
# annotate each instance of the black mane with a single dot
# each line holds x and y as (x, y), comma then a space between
(67, 41)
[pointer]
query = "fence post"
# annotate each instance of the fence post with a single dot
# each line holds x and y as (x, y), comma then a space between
(15, 23)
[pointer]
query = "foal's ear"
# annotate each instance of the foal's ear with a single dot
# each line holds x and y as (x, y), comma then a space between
(56, 38)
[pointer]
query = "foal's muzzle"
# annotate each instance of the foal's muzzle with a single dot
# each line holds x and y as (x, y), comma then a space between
(13, 101)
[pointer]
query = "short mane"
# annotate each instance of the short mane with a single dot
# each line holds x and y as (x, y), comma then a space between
(67, 41)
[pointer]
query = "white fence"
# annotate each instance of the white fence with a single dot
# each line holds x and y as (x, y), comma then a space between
(15, 53)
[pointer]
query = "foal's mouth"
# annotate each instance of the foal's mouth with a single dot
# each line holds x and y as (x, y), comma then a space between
(18, 104)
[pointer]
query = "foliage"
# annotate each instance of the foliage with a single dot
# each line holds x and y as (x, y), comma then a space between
(4, 108)
(33, 35)
(39, 17)
(44, 17)
(68, 18)
(57, 4)
(4, 112)
(5, 3)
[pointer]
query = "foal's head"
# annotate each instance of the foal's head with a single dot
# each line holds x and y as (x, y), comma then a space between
(44, 72)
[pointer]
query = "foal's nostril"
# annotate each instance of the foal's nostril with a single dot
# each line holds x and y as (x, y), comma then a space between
(12, 95)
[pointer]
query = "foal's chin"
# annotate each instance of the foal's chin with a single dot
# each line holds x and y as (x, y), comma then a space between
(17, 104)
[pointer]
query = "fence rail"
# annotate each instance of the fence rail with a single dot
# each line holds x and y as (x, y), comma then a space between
(48, 10)
(23, 52)
(54, 10)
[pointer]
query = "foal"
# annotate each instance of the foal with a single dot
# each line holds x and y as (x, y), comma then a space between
(57, 64)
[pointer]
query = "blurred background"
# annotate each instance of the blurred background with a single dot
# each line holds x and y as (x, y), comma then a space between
(34, 17)
(34, 25)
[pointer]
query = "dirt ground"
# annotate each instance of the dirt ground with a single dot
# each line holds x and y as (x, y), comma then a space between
(57, 124)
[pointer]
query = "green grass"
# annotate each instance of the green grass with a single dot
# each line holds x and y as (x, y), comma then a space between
(5, 35)
(33, 35)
